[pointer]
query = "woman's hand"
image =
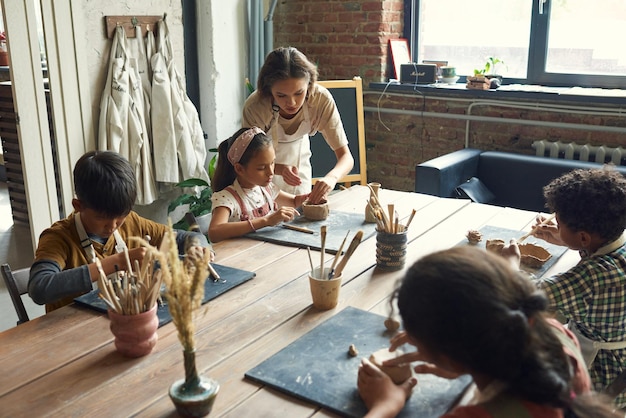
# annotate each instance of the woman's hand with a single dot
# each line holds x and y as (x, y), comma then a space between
(382, 397)
(289, 173)
(322, 188)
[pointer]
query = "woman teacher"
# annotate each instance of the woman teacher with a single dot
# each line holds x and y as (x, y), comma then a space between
(290, 107)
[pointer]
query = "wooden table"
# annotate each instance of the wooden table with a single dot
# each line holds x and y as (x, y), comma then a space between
(65, 364)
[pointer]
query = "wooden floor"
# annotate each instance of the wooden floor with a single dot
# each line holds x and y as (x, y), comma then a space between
(65, 362)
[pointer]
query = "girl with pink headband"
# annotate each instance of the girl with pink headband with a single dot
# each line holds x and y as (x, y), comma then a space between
(244, 198)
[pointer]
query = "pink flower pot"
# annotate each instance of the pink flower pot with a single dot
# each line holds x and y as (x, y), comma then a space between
(135, 335)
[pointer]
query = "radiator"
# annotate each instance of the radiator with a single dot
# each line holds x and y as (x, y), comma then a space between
(573, 151)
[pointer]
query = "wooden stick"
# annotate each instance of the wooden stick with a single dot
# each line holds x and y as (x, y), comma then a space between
(534, 228)
(298, 228)
(344, 260)
(331, 273)
(413, 212)
(308, 250)
(391, 209)
(323, 234)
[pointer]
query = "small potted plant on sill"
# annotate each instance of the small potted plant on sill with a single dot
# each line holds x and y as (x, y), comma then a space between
(486, 77)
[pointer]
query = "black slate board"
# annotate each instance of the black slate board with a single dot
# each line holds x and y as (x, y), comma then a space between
(317, 368)
(338, 224)
(230, 277)
(494, 232)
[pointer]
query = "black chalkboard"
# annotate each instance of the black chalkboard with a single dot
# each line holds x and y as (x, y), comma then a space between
(317, 368)
(348, 95)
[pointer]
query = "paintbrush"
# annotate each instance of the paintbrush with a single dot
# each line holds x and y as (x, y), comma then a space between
(323, 249)
(351, 248)
(331, 273)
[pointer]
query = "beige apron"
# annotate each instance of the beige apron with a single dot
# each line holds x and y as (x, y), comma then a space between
(589, 348)
(294, 150)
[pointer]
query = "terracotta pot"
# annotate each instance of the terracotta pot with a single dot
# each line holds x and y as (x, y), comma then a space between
(135, 335)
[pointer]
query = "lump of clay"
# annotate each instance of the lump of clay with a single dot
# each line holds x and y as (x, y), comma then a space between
(533, 255)
(352, 351)
(317, 212)
(494, 245)
(392, 324)
(398, 374)
(474, 236)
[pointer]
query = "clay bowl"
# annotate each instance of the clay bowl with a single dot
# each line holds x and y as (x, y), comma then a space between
(533, 255)
(315, 212)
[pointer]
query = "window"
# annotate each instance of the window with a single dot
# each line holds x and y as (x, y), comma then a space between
(550, 42)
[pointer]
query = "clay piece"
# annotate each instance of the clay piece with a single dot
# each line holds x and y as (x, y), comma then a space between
(317, 212)
(398, 374)
(392, 324)
(494, 245)
(534, 255)
(352, 351)
(474, 236)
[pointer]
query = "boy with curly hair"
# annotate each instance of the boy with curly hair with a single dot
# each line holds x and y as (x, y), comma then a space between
(590, 208)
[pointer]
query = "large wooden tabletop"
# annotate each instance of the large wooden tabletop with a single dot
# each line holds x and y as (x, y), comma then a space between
(65, 364)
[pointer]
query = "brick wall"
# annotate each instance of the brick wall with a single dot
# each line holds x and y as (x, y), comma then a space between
(348, 38)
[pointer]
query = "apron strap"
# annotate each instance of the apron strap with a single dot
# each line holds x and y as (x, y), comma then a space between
(244, 213)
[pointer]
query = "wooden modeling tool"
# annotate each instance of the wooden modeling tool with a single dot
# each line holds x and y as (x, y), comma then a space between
(544, 222)
(413, 212)
(323, 248)
(298, 228)
(351, 248)
(331, 273)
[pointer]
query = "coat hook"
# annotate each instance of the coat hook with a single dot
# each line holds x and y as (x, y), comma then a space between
(134, 21)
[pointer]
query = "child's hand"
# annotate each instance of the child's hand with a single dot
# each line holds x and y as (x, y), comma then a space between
(548, 232)
(381, 396)
(284, 214)
(198, 252)
(512, 253)
(134, 254)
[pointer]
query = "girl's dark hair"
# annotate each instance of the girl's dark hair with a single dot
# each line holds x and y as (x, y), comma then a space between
(473, 307)
(590, 200)
(104, 181)
(284, 63)
(225, 174)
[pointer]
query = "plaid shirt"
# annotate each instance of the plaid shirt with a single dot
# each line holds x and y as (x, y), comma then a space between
(593, 295)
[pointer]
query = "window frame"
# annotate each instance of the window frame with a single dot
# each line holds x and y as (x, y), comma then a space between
(538, 45)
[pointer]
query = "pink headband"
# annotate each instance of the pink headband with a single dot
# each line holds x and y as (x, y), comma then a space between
(240, 145)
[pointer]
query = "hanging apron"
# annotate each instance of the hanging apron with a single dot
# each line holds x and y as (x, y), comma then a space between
(140, 155)
(112, 132)
(163, 137)
(589, 348)
(294, 150)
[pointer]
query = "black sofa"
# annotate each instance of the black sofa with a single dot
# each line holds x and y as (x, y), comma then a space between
(514, 180)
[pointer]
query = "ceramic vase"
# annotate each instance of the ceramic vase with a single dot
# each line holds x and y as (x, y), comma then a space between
(194, 395)
(369, 213)
(135, 335)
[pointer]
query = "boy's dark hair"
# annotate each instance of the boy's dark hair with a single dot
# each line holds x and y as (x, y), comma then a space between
(593, 201)
(225, 174)
(281, 64)
(104, 181)
(471, 306)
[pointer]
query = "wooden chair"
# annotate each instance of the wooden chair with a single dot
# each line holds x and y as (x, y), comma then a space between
(17, 285)
(348, 95)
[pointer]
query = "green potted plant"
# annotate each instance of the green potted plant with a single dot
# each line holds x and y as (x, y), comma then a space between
(199, 201)
(486, 77)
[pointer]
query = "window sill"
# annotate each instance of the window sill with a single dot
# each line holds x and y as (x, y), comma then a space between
(510, 91)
